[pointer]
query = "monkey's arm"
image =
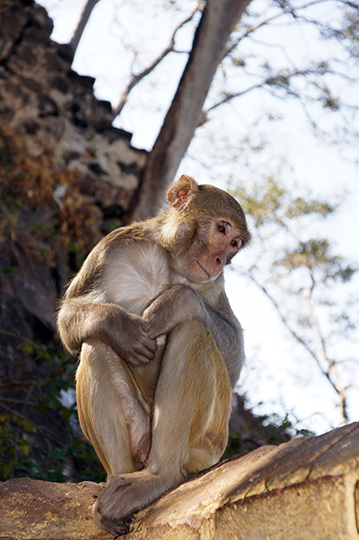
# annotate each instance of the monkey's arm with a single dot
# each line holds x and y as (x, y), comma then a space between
(228, 335)
(182, 303)
(80, 320)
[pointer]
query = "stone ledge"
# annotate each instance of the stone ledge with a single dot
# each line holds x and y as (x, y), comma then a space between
(307, 488)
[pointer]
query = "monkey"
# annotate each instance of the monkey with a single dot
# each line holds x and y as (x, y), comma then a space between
(160, 347)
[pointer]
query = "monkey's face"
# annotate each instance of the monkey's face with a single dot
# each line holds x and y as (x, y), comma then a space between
(213, 245)
(207, 227)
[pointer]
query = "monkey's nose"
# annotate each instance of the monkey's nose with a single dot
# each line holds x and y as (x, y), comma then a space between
(221, 261)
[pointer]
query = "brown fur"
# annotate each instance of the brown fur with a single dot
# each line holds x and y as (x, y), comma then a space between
(160, 346)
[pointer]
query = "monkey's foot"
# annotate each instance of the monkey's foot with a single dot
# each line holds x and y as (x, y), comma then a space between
(124, 495)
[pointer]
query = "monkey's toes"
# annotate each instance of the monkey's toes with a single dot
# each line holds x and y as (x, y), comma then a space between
(117, 527)
(122, 527)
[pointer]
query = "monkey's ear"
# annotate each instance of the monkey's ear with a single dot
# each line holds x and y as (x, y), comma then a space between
(179, 192)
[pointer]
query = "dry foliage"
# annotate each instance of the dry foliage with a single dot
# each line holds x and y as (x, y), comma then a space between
(41, 207)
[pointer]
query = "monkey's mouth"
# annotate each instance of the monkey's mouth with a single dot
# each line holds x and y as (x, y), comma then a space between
(203, 269)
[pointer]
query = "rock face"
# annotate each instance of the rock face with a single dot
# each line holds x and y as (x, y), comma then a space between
(307, 488)
(52, 110)
(67, 177)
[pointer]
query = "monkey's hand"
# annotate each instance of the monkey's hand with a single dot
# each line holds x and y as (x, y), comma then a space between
(129, 336)
(176, 305)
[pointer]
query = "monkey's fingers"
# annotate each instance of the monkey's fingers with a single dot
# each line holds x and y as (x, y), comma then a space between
(145, 325)
(145, 352)
(150, 343)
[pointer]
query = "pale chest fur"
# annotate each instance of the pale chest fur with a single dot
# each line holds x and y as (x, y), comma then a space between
(138, 273)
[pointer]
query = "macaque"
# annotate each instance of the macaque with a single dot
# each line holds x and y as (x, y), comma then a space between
(160, 348)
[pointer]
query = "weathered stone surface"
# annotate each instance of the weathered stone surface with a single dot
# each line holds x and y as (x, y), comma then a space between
(305, 489)
(37, 509)
(47, 106)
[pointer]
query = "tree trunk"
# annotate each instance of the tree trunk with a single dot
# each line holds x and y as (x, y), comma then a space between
(209, 47)
(85, 15)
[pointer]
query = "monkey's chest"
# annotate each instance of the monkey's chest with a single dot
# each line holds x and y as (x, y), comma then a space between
(138, 273)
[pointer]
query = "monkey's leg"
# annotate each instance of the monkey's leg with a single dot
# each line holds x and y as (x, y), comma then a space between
(112, 412)
(190, 425)
(192, 404)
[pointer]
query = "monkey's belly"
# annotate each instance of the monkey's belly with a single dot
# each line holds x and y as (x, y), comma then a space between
(137, 274)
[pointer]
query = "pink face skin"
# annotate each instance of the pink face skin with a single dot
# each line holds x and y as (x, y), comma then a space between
(212, 250)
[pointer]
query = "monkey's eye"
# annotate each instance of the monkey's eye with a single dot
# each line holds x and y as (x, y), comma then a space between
(238, 243)
(221, 228)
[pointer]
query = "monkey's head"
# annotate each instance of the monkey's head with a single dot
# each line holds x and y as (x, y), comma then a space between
(203, 230)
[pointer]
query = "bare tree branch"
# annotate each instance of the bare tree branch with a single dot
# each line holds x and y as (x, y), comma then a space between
(209, 46)
(281, 81)
(85, 15)
(329, 372)
(136, 78)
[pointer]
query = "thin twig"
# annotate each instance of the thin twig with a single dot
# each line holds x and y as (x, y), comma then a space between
(330, 373)
(17, 336)
(136, 78)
